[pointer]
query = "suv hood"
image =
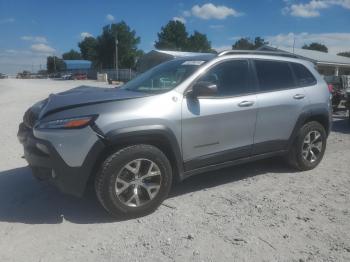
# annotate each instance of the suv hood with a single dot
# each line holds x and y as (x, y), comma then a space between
(85, 95)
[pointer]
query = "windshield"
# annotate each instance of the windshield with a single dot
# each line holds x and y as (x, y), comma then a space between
(164, 77)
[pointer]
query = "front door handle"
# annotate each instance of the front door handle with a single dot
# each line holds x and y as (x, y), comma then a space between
(299, 96)
(246, 103)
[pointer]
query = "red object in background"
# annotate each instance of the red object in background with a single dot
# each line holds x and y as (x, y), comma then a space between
(330, 88)
(80, 76)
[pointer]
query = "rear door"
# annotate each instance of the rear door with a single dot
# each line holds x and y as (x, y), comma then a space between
(280, 100)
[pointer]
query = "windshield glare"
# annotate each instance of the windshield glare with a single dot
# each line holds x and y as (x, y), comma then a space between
(164, 77)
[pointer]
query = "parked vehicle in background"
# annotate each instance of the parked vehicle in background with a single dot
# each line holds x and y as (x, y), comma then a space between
(24, 75)
(346, 81)
(67, 77)
(55, 75)
(181, 118)
(3, 76)
(347, 103)
(80, 76)
(336, 87)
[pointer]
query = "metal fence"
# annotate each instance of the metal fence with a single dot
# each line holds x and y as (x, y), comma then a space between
(124, 75)
(119, 75)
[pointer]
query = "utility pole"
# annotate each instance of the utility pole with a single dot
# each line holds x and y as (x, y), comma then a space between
(293, 44)
(116, 56)
(54, 63)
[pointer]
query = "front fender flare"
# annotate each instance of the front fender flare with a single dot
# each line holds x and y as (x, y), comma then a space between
(145, 133)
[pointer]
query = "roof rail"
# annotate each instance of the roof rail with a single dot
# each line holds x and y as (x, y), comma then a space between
(255, 52)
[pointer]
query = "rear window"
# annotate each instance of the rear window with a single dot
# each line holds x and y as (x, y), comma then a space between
(303, 75)
(274, 75)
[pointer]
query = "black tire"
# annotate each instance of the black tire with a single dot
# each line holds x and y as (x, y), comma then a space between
(295, 157)
(106, 180)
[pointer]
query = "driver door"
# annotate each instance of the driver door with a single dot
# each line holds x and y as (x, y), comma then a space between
(220, 127)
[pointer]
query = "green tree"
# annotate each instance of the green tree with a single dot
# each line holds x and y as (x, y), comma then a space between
(88, 49)
(346, 54)
(198, 42)
(316, 46)
(243, 44)
(54, 64)
(259, 42)
(248, 44)
(127, 46)
(172, 36)
(71, 55)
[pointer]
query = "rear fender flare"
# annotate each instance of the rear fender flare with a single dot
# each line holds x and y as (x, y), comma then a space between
(315, 114)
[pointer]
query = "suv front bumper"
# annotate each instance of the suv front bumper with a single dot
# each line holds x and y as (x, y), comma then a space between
(47, 164)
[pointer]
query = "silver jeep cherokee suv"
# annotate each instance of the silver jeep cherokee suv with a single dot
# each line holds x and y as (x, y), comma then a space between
(181, 118)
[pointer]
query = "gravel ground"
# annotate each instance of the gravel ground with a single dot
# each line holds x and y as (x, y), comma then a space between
(262, 211)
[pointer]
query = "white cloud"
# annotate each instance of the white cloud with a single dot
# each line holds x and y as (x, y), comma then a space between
(222, 48)
(7, 20)
(180, 19)
(216, 27)
(336, 42)
(210, 11)
(13, 61)
(186, 13)
(83, 35)
(42, 48)
(313, 7)
(110, 18)
(36, 39)
(11, 51)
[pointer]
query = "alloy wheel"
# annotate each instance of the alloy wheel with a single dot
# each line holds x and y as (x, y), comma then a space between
(312, 146)
(138, 182)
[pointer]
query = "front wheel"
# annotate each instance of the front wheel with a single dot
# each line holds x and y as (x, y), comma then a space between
(309, 146)
(134, 181)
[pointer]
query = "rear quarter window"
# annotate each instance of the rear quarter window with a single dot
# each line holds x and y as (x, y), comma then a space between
(303, 76)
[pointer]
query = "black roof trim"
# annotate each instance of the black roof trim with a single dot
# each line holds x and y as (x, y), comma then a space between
(255, 52)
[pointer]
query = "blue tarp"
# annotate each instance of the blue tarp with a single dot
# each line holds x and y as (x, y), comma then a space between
(77, 64)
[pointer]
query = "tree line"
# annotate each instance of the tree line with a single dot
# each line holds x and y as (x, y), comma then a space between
(174, 36)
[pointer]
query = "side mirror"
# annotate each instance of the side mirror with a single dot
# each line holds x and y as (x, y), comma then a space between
(203, 88)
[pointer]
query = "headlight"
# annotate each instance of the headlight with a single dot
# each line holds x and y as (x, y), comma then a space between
(68, 123)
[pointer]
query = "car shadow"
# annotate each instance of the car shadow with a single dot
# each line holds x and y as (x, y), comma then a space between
(231, 174)
(23, 199)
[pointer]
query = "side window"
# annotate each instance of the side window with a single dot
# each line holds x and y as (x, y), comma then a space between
(274, 75)
(231, 78)
(303, 75)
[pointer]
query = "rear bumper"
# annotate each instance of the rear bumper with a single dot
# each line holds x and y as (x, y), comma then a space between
(47, 163)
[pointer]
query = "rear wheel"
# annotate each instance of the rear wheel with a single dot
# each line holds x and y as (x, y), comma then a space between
(134, 181)
(309, 146)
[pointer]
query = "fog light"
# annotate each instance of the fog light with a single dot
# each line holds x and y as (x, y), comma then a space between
(42, 148)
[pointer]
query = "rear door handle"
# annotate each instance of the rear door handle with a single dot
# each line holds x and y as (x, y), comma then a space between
(299, 96)
(246, 103)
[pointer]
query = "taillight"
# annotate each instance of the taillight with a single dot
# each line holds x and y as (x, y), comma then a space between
(330, 88)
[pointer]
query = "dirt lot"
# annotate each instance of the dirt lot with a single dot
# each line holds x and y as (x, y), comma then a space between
(257, 212)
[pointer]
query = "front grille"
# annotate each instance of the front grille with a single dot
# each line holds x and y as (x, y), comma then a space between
(29, 118)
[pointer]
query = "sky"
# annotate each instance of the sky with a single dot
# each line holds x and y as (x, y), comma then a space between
(32, 30)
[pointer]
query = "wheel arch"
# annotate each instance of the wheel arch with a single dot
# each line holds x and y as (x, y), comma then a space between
(319, 115)
(157, 135)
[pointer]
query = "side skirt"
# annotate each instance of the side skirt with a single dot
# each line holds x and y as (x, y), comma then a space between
(233, 163)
